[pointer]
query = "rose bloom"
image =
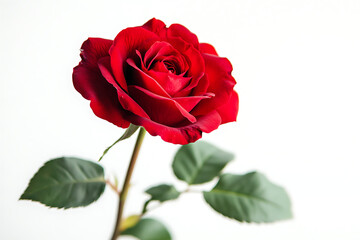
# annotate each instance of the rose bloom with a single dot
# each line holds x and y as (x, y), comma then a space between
(160, 78)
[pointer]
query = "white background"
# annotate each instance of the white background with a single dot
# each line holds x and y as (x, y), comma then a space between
(297, 64)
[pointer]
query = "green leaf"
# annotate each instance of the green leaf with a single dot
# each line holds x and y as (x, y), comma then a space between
(128, 133)
(148, 229)
(66, 182)
(199, 162)
(163, 192)
(250, 197)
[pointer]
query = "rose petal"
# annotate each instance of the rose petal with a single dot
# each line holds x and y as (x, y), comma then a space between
(160, 109)
(182, 134)
(159, 67)
(158, 49)
(125, 100)
(221, 83)
(188, 103)
(194, 60)
(207, 48)
(156, 26)
(93, 49)
(164, 51)
(143, 80)
(125, 45)
(201, 87)
(103, 98)
(177, 30)
(229, 111)
(171, 83)
(89, 82)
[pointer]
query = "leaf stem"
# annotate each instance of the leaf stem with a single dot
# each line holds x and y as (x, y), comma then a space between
(112, 186)
(124, 191)
(146, 209)
(189, 190)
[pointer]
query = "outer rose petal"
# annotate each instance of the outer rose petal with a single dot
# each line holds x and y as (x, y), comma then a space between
(156, 26)
(221, 83)
(125, 45)
(179, 135)
(89, 82)
(229, 111)
(102, 95)
(93, 49)
(177, 30)
(207, 48)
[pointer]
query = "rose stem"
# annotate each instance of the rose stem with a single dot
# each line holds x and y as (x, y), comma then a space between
(123, 194)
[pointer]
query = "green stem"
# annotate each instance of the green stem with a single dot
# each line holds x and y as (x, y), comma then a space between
(124, 191)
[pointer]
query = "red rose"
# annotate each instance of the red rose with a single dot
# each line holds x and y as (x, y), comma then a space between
(160, 78)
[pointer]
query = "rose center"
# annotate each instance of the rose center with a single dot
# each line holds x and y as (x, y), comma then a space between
(170, 66)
